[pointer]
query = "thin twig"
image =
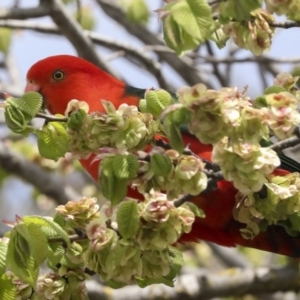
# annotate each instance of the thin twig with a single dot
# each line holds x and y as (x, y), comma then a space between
(184, 66)
(51, 118)
(182, 200)
(205, 285)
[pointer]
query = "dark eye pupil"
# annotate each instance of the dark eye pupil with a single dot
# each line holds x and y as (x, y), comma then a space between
(58, 75)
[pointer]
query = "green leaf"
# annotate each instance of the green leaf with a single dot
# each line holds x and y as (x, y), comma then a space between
(85, 18)
(143, 106)
(115, 284)
(59, 219)
(49, 227)
(295, 222)
(176, 263)
(36, 240)
(274, 89)
(125, 166)
(76, 119)
(198, 212)
(128, 219)
(137, 11)
(161, 164)
(52, 140)
(7, 288)
(3, 251)
(55, 254)
(20, 111)
(239, 10)
(16, 120)
(172, 35)
(5, 40)
(194, 17)
(188, 24)
(219, 37)
(173, 133)
(260, 102)
(30, 103)
(19, 259)
(112, 188)
(23, 253)
(181, 116)
(157, 101)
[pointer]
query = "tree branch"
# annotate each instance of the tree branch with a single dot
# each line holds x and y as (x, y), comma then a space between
(231, 257)
(287, 143)
(207, 285)
(74, 33)
(251, 59)
(150, 64)
(23, 13)
(184, 66)
(285, 25)
(47, 183)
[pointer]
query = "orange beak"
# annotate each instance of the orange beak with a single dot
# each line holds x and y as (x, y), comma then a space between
(32, 87)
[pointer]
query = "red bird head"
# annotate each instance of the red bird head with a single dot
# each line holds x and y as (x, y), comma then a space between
(62, 78)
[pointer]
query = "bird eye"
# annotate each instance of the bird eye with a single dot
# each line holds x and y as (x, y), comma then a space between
(58, 75)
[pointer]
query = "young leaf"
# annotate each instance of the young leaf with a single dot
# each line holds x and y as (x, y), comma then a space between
(23, 252)
(30, 103)
(172, 34)
(195, 22)
(157, 101)
(239, 10)
(143, 106)
(137, 11)
(112, 188)
(5, 40)
(161, 164)
(49, 227)
(3, 251)
(85, 18)
(7, 288)
(59, 219)
(198, 212)
(36, 240)
(21, 263)
(219, 37)
(76, 119)
(52, 141)
(176, 263)
(16, 120)
(125, 166)
(194, 17)
(274, 89)
(128, 219)
(173, 133)
(55, 253)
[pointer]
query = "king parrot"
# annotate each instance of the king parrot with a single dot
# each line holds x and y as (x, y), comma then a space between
(62, 78)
